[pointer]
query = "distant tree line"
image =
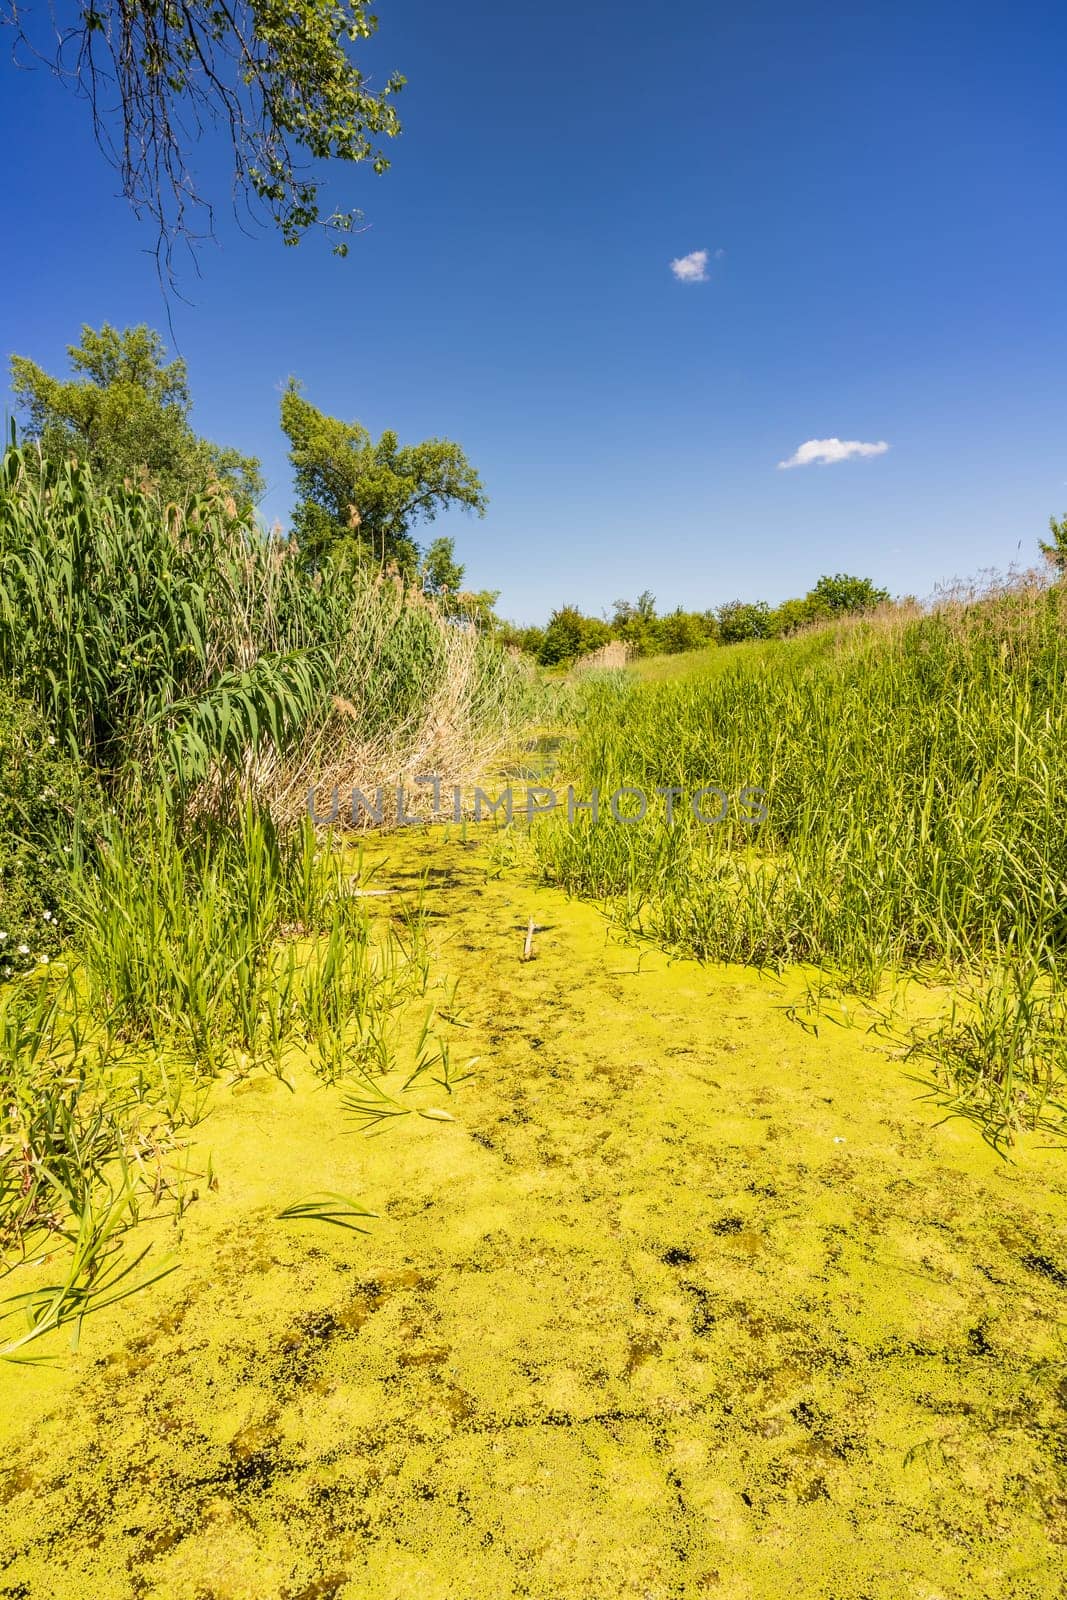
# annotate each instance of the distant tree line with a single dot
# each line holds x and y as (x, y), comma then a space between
(570, 634)
(359, 501)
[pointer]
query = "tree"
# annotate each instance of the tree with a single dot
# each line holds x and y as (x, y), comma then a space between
(684, 630)
(364, 498)
(793, 615)
(842, 594)
(739, 621)
(440, 573)
(637, 624)
(569, 635)
(526, 639)
(279, 83)
(442, 578)
(595, 635)
(563, 637)
(126, 412)
(1055, 550)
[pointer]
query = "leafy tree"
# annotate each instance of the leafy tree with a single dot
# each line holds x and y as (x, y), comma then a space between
(440, 573)
(363, 498)
(683, 630)
(126, 412)
(792, 615)
(442, 577)
(595, 634)
(1055, 550)
(531, 639)
(842, 594)
(739, 620)
(637, 624)
(280, 84)
(477, 605)
(570, 634)
(513, 637)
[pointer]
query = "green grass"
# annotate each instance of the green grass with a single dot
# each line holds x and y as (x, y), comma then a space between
(179, 682)
(715, 660)
(216, 951)
(915, 770)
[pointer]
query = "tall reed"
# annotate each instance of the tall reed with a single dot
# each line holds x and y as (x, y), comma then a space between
(182, 643)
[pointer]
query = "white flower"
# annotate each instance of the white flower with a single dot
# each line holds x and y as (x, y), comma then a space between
(7, 972)
(51, 738)
(48, 916)
(24, 949)
(43, 960)
(3, 936)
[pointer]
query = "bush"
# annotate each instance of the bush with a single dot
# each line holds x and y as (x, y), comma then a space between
(685, 630)
(842, 594)
(564, 637)
(49, 805)
(739, 621)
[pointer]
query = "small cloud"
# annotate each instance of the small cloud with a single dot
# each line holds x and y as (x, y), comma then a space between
(719, 255)
(692, 268)
(827, 451)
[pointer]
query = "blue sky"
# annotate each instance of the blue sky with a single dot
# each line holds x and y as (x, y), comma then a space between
(885, 184)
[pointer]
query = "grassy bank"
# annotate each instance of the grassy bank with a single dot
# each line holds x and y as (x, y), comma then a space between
(912, 772)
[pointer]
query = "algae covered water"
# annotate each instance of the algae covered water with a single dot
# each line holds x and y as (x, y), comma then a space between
(686, 1300)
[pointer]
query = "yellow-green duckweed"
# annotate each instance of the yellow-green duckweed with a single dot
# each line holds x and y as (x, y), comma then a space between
(686, 1301)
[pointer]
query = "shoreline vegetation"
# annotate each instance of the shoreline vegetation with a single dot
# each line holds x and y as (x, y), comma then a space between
(173, 679)
(179, 935)
(914, 767)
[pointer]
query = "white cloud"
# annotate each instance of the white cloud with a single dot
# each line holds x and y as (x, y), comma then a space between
(692, 268)
(827, 451)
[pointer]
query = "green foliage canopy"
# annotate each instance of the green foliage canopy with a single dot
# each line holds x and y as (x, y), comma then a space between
(1054, 549)
(570, 634)
(279, 82)
(126, 413)
(740, 620)
(442, 578)
(440, 572)
(363, 498)
(842, 593)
